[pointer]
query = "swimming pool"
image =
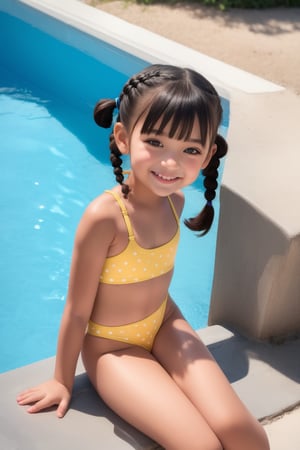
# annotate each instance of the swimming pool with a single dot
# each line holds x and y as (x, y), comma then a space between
(54, 160)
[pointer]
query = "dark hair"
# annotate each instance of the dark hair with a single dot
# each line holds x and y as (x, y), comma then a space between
(178, 97)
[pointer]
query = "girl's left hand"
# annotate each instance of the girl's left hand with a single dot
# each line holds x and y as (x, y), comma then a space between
(46, 395)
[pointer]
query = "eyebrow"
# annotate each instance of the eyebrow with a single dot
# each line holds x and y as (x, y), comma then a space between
(197, 141)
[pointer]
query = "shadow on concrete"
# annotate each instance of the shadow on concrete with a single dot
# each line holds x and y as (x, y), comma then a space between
(270, 21)
(234, 356)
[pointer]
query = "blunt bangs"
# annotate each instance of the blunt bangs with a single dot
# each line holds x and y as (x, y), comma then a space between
(179, 106)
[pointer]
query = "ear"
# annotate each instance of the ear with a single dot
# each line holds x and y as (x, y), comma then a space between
(121, 138)
(209, 155)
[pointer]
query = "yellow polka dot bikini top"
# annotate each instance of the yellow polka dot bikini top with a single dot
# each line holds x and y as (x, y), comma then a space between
(136, 263)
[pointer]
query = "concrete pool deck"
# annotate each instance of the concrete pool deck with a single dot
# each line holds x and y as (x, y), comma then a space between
(264, 121)
(265, 376)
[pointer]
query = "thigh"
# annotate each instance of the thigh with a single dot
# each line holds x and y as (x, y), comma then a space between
(180, 351)
(138, 389)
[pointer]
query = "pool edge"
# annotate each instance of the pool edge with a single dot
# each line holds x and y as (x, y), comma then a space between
(260, 368)
(150, 46)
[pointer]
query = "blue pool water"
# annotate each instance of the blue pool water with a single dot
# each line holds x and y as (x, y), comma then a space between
(54, 161)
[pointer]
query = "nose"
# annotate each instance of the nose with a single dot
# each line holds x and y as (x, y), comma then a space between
(169, 161)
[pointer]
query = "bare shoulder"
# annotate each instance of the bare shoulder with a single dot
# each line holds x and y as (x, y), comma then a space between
(100, 217)
(178, 201)
(101, 208)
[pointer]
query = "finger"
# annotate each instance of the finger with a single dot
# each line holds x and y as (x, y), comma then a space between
(62, 408)
(41, 404)
(30, 397)
(25, 394)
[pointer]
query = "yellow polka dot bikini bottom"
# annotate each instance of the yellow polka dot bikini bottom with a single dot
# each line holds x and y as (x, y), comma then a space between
(141, 333)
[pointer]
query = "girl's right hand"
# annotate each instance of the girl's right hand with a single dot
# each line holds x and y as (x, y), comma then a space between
(44, 396)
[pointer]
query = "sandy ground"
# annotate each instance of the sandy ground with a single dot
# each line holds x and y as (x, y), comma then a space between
(263, 42)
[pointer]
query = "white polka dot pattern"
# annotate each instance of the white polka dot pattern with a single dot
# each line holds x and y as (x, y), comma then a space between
(136, 263)
(141, 333)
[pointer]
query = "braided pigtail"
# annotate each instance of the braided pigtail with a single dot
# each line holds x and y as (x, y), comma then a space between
(104, 117)
(116, 161)
(203, 221)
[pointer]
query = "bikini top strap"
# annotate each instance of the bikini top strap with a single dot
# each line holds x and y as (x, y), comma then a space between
(174, 210)
(124, 213)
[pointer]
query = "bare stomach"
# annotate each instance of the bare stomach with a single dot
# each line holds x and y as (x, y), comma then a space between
(117, 305)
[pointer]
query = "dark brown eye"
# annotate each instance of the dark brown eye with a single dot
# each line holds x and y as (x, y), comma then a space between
(192, 151)
(154, 143)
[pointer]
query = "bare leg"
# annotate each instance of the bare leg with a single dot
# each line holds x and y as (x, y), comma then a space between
(137, 388)
(180, 351)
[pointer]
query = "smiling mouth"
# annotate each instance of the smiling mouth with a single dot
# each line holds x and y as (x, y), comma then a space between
(164, 178)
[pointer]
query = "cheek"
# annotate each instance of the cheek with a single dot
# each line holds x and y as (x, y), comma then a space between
(194, 167)
(140, 155)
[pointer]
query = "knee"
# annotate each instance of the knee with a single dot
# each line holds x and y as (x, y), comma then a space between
(193, 440)
(204, 445)
(243, 430)
(214, 445)
(204, 442)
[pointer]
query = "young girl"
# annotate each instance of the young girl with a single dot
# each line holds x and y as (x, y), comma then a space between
(142, 357)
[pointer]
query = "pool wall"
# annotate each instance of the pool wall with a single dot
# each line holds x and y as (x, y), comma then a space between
(256, 283)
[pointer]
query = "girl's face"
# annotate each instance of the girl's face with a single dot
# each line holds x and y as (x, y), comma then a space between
(160, 163)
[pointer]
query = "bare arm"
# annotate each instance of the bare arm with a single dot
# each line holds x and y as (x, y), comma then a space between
(94, 235)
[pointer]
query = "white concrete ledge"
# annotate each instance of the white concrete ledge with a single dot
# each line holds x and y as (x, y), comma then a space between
(256, 371)
(147, 45)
